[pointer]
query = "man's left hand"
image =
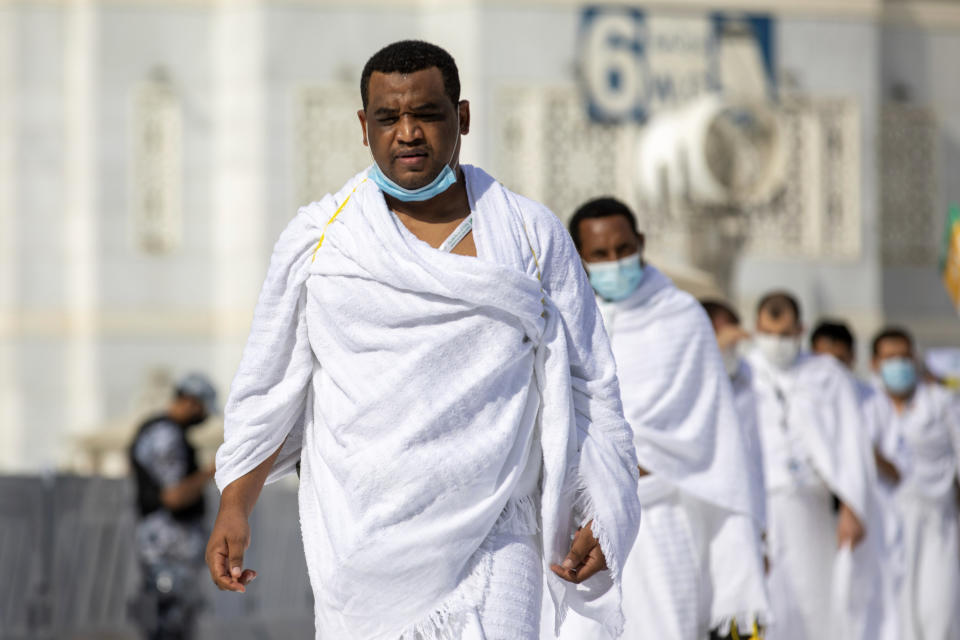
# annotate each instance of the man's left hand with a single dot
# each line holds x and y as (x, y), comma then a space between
(585, 558)
(849, 528)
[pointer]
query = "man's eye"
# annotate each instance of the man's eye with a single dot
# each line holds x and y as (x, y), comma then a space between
(387, 121)
(431, 116)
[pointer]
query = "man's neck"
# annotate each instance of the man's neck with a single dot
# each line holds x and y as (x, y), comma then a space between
(450, 205)
(901, 402)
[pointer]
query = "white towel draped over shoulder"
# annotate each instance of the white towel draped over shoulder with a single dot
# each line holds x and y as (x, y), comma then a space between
(677, 400)
(413, 384)
(688, 434)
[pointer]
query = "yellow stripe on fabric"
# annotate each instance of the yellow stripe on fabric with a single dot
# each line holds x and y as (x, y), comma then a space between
(332, 218)
(536, 260)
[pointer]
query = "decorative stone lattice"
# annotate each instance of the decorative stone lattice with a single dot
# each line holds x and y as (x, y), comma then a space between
(909, 225)
(156, 167)
(546, 147)
(327, 144)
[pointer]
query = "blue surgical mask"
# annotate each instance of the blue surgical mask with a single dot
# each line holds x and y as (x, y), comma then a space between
(444, 180)
(899, 375)
(617, 279)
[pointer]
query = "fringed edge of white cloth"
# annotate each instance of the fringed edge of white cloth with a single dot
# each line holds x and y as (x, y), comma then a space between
(447, 621)
(584, 508)
(520, 516)
(724, 624)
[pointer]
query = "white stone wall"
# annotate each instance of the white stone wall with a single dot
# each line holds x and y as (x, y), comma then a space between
(87, 316)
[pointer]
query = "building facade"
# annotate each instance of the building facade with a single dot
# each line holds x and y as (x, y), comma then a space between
(151, 152)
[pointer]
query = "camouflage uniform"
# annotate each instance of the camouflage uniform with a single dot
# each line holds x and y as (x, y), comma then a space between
(170, 544)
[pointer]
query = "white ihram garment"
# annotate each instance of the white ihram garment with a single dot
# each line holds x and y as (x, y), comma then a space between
(415, 385)
(697, 562)
(928, 431)
(815, 446)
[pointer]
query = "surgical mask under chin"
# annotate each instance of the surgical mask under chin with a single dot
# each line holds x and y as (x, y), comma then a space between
(779, 351)
(444, 180)
(899, 375)
(617, 279)
(731, 360)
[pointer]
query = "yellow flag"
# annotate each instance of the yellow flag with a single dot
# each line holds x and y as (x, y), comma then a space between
(951, 255)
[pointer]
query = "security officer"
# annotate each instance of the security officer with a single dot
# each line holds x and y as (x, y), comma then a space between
(170, 537)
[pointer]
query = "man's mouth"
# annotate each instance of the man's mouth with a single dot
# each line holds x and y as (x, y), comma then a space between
(411, 157)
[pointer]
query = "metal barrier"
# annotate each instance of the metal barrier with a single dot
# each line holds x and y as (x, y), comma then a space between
(68, 565)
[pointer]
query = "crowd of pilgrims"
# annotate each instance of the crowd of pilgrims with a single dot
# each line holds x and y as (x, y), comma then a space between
(847, 483)
(551, 437)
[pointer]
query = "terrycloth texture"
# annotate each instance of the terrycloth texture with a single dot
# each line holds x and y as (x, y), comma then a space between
(814, 444)
(802, 543)
(927, 437)
(413, 384)
(930, 593)
(676, 398)
(671, 582)
(892, 559)
(511, 608)
(688, 435)
(924, 442)
(745, 401)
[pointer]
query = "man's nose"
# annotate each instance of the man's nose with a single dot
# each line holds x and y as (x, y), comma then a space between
(408, 130)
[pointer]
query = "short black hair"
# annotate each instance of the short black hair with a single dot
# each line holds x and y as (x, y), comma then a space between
(409, 56)
(717, 308)
(835, 330)
(776, 303)
(891, 333)
(600, 208)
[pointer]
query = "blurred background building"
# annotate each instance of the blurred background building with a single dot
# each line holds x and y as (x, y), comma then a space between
(151, 152)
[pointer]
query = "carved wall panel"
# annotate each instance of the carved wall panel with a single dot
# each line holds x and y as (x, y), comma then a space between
(327, 143)
(546, 147)
(909, 221)
(156, 167)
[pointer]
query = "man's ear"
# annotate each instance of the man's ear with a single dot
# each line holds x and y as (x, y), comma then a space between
(362, 116)
(641, 242)
(463, 108)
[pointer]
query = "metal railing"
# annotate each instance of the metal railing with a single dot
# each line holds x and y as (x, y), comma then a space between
(68, 565)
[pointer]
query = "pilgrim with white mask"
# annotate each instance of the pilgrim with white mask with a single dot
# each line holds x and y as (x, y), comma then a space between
(815, 450)
(696, 566)
(428, 348)
(923, 419)
(732, 339)
(834, 338)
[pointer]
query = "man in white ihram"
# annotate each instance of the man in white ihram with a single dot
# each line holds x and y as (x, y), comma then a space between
(815, 450)
(924, 419)
(448, 389)
(696, 566)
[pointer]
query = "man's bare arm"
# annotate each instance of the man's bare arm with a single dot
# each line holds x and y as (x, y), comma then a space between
(231, 531)
(187, 491)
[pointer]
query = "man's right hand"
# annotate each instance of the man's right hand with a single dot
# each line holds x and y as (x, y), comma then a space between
(230, 538)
